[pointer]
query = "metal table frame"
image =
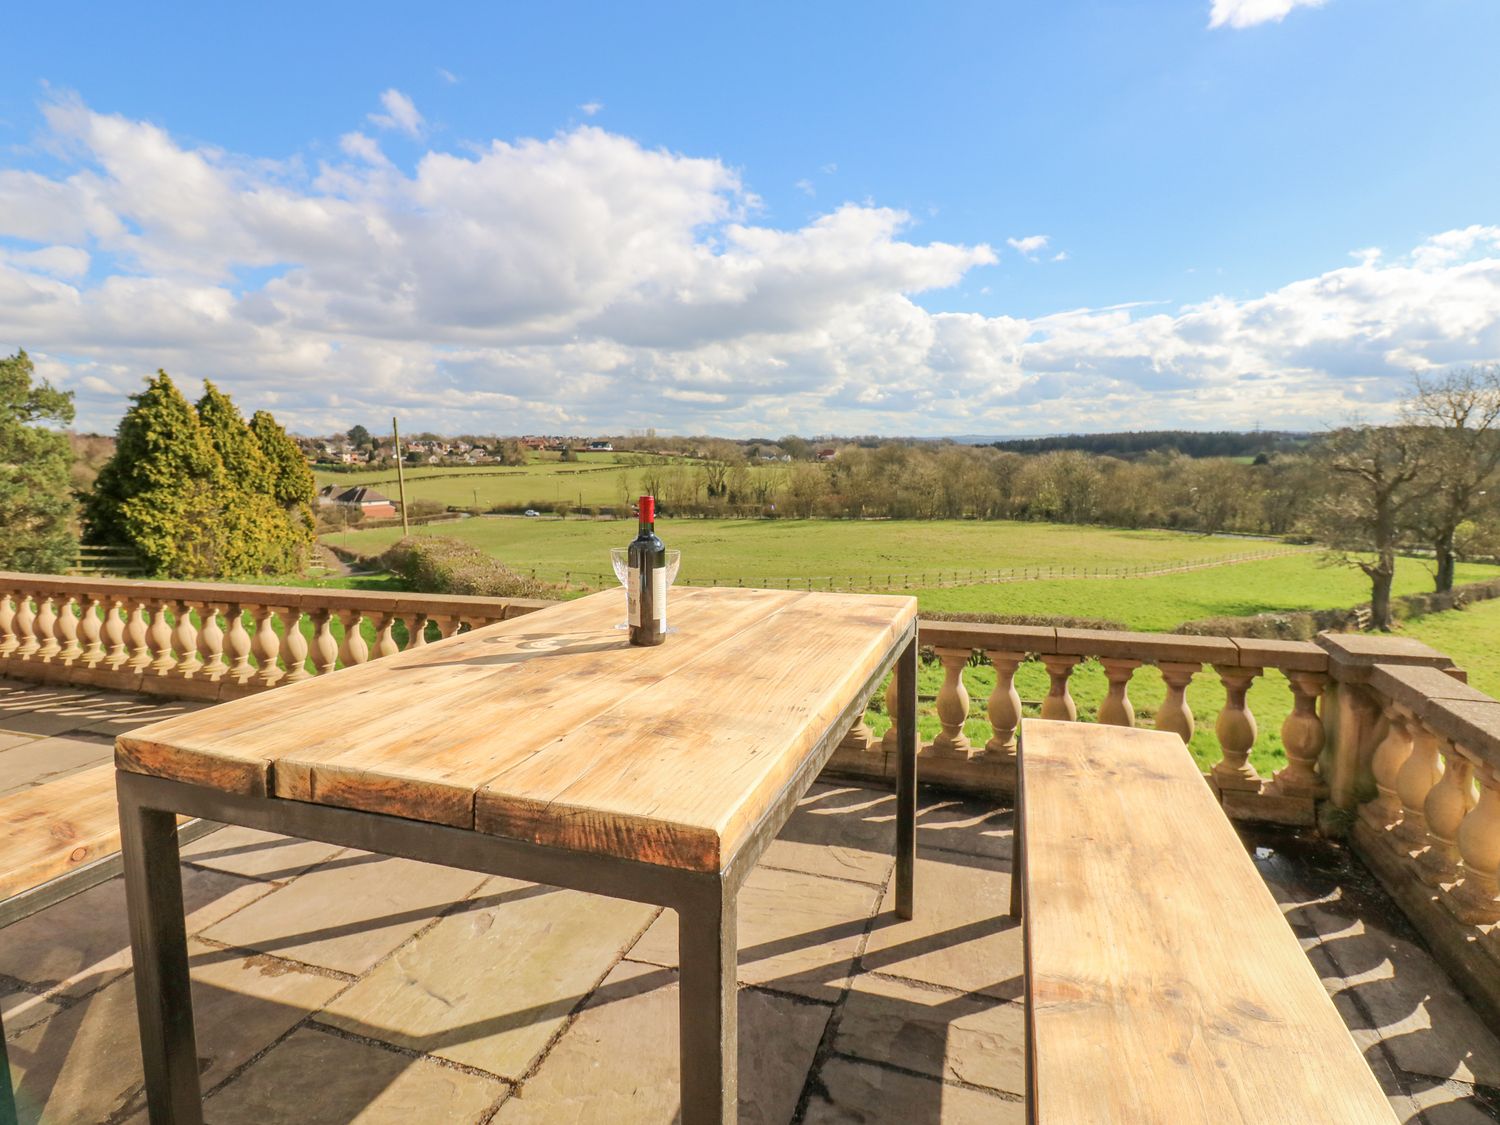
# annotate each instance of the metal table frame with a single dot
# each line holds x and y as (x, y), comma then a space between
(705, 901)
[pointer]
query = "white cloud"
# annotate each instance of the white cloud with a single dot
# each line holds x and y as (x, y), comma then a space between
(1060, 256)
(806, 187)
(591, 108)
(1248, 13)
(400, 114)
(586, 283)
(1031, 245)
(448, 76)
(829, 169)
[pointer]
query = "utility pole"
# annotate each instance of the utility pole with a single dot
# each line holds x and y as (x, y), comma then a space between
(400, 478)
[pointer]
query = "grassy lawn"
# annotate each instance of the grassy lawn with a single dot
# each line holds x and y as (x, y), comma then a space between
(862, 550)
(762, 549)
(1471, 636)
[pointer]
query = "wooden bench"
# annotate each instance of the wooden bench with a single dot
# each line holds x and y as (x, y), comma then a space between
(1163, 983)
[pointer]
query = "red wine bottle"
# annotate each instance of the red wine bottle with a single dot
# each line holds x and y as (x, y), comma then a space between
(646, 588)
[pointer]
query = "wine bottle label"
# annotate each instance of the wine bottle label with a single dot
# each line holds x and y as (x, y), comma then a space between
(633, 596)
(659, 599)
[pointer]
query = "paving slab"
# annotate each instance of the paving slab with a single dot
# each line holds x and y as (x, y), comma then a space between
(347, 917)
(618, 1062)
(84, 1063)
(9, 741)
(44, 759)
(140, 712)
(797, 932)
(975, 1040)
(962, 936)
(846, 1091)
(47, 720)
(22, 1009)
(976, 827)
(316, 1077)
(492, 984)
(83, 942)
(839, 831)
(254, 854)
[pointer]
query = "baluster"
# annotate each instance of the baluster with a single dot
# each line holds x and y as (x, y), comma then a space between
(1004, 706)
(1116, 710)
(136, 629)
(1302, 735)
(859, 738)
(385, 640)
(1174, 714)
(1413, 783)
(1447, 804)
(211, 643)
(67, 631)
(159, 636)
(889, 742)
(952, 706)
(294, 646)
(9, 642)
(91, 627)
(267, 648)
(1236, 731)
(1476, 899)
(325, 648)
(45, 628)
(1390, 755)
(237, 644)
(353, 650)
(24, 620)
(416, 630)
(447, 626)
(1059, 702)
(185, 639)
(115, 655)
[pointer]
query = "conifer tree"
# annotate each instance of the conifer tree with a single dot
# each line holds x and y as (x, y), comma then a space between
(250, 530)
(36, 504)
(291, 483)
(157, 494)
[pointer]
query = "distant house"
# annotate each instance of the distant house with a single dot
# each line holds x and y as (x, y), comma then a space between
(825, 455)
(601, 447)
(375, 505)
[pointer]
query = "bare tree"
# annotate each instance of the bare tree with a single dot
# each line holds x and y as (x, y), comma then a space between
(1371, 486)
(1460, 414)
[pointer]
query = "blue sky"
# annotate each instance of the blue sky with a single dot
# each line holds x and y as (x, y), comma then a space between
(1217, 179)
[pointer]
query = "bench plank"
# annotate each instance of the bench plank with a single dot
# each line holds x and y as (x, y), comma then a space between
(1165, 984)
(49, 830)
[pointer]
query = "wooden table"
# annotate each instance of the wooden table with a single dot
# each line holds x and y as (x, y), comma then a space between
(545, 748)
(1163, 983)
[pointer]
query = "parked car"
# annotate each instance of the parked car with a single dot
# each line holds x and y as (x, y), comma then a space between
(532, 512)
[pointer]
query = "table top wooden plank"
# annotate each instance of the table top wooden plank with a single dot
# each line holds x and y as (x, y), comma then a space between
(49, 830)
(680, 772)
(537, 680)
(550, 699)
(1165, 982)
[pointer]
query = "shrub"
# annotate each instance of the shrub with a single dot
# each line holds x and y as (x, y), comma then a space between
(437, 564)
(1060, 621)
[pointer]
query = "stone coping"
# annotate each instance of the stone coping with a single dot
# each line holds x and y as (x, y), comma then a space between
(1152, 648)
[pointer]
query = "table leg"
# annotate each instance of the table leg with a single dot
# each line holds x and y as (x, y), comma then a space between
(906, 780)
(158, 946)
(707, 1009)
(7, 1093)
(1018, 840)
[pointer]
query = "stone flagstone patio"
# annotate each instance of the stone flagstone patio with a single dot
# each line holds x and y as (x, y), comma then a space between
(335, 986)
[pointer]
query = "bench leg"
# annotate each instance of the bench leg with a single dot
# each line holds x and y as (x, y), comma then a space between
(158, 946)
(906, 780)
(707, 1009)
(1018, 842)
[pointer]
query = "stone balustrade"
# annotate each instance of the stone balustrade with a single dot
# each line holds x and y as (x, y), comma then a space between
(213, 641)
(952, 759)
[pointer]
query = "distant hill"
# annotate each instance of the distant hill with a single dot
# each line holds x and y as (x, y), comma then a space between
(1190, 443)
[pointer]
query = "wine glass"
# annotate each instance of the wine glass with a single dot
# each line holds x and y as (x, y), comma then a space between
(619, 558)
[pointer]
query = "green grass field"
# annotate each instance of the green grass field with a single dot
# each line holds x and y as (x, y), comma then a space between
(594, 479)
(752, 549)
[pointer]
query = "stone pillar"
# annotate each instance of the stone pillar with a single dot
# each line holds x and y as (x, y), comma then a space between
(1416, 779)
(952, 706)
(45, 627)
(27, 643)
(67, 632)
(211, 643)
(294, 645)
(1004, 705)
(159, 637)
(237, 645)
(1476, 899)
(267, 649)
(185, 639)
(325, 648)
(889, 741)
(1236, 731)
(1174, 714)
(1116, 710)
(1059, 703)
(1448, 802)
(115, 655)
(385, 639)
(92, 629)
(1390, 756)
(1302, 735)
(9, 642)
(136, 639)
(353, 649)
